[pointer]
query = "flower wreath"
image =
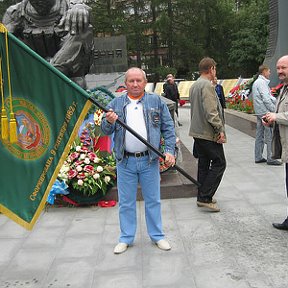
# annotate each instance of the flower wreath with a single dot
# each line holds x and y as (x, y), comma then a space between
(87, 169)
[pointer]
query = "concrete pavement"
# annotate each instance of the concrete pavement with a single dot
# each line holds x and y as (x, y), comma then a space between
(238, 247)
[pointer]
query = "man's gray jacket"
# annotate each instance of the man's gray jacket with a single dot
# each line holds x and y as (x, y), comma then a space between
(263, 101)
(207, 119)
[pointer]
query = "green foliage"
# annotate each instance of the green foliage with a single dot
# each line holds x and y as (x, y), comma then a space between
(178, 33)
(102, 95)
(233, 32)
(163, 71)
(249, 42)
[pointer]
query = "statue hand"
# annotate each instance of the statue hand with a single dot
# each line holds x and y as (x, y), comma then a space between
(76, 19)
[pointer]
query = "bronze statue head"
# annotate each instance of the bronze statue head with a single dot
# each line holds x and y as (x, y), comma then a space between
(42, 7)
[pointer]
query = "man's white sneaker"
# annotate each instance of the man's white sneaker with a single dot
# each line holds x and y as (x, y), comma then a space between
(120, 248)
(163, 245)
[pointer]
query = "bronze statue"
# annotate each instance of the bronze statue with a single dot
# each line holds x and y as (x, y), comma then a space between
(58, 30)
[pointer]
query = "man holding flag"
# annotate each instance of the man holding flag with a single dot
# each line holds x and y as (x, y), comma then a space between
(149, 116)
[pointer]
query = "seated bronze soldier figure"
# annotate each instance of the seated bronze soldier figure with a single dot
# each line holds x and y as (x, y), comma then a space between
(58, 30)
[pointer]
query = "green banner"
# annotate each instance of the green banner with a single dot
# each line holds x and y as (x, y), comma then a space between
(49, 108)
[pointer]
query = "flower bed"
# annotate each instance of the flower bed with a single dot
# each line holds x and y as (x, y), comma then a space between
(238, 98)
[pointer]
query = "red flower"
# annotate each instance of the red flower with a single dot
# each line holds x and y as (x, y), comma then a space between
(81, 175)
(79, 162)
(72, 174)
(84, 149)
(88, 168)
(92, 156)
(74, 156)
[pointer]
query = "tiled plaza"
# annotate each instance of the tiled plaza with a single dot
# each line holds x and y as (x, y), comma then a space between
(236, 248)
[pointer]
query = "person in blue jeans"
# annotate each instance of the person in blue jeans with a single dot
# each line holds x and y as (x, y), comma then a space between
(148, 115)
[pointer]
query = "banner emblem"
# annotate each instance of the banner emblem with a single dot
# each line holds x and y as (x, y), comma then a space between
(33, 131)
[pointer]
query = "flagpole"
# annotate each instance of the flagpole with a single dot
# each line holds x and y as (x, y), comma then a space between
(85, 94)
(143, 140)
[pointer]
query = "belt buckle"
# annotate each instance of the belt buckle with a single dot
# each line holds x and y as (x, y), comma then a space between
(138, 154)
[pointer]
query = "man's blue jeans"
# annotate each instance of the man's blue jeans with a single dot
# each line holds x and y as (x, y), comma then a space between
(263, 135)
(130, 172)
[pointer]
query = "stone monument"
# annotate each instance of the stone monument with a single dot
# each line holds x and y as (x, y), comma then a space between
(58, 30)
(278, 37)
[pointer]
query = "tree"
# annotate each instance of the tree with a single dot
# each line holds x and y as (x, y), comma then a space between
(181, 32)
(249, 42)
(198, 31)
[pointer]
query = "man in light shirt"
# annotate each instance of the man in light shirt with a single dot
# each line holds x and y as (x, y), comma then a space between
(263, 102)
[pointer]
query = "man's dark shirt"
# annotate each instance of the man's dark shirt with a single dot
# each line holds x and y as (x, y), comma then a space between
(220, 92)
(171, 91)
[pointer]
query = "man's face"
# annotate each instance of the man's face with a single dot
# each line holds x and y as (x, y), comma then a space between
(212, 73)
(214, 81)
(282, 69)
(42, 7)
(266, 73)
(135, 82)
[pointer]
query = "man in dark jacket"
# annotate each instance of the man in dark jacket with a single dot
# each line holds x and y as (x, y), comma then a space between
(220, 93)
(171, 92)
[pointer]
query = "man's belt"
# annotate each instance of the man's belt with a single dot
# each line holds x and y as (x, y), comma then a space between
(136, 154)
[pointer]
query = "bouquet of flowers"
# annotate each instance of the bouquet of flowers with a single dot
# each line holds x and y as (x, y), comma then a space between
(87, 169)
(84, 169)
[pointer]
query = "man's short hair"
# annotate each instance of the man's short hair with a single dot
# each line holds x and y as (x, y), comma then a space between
(169, 76)
(262, 68)
(206, 63)
(135, 68)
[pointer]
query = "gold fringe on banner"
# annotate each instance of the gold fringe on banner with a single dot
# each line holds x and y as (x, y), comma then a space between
(4, 124)
(12, 123)
(3, 29)
(13, 129)
(4, 119)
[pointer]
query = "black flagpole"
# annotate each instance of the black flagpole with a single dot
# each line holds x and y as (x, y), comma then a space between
(145, 142)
